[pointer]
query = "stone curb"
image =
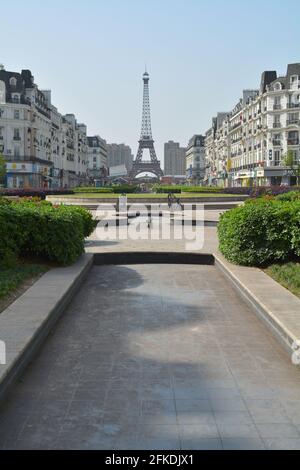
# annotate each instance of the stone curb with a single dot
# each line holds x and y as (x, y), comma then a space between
(276, 306)
(152, 257)
(26, 323)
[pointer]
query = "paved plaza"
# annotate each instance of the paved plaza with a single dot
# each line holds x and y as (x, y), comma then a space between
(156, 357)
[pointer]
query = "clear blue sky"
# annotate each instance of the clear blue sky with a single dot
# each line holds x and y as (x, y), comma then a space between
(200, 55)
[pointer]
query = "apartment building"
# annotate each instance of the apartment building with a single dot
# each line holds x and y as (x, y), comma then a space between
(174, 159)
(42, 148)
(119, 155)
(249, 144)
(195, 160)
(97, 158)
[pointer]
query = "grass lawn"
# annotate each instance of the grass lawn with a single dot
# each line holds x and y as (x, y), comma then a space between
(12, 278)
(141, 195)
(288, 275)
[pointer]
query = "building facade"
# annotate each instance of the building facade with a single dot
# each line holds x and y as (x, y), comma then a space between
(174, 159)
(119, 154)
(97, 158)
(42, 148)
(195, 160)
(249, 144)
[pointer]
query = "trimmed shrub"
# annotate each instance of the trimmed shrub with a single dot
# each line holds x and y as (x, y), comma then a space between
(202, 189)
(53, 233)
(89, 224)
(296, 229)
(11, 235)
(260, 233)
(167, 190)
(290, 196)
(124, 188)
(186, 189)
(93, 189)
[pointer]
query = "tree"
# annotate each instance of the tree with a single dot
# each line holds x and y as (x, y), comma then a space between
(2, 169)
(294, 167)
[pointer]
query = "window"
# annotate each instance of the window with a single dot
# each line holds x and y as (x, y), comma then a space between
(293, 118)
(13, 81)
(277, 157)
(16, 114)
(277, 86)
(277, 102)
(294, 81)
(17, 134)
(16, 99)
(293, 138)
(94, 159)
(16, 151)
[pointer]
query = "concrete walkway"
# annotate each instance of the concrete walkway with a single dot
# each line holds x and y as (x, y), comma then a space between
(156, 357)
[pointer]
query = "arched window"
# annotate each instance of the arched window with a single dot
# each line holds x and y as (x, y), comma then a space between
(13, 81)
(277, 86)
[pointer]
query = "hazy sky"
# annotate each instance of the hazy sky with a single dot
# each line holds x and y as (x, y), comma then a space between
(200, 54)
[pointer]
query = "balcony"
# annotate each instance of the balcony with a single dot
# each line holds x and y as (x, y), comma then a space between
(16, 137)
(293, 105)
(290, 122)
(276, 125)
(276, 107)
(293, 142)
(276, 143)
(235, 126)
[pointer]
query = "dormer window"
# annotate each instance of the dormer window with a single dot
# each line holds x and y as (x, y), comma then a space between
(13, 81)
(277, 86)
(294, 82)
(16, 99)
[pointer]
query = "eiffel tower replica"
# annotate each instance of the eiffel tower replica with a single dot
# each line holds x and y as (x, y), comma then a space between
(146, 141)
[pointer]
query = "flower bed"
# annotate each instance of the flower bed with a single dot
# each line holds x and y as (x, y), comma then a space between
(41, 193)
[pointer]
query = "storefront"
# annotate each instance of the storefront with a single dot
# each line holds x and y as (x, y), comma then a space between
(277, 176)
(244, 178)
(259, 176)
(27, 175)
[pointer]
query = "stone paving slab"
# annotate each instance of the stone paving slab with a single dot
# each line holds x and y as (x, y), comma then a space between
(275, 305)
(27, 321)
(156, 357)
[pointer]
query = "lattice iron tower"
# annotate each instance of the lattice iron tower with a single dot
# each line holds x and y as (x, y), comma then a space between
(146, 141)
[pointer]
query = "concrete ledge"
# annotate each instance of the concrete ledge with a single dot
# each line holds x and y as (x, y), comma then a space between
(95, 201)
(275, 305)
(153, 257)
(25, 324)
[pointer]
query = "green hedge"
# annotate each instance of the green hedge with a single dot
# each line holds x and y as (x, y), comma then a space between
(93, 189)
(202, 189)
(117, 189)
(260, 233)
(53, 233)
(186, 189)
